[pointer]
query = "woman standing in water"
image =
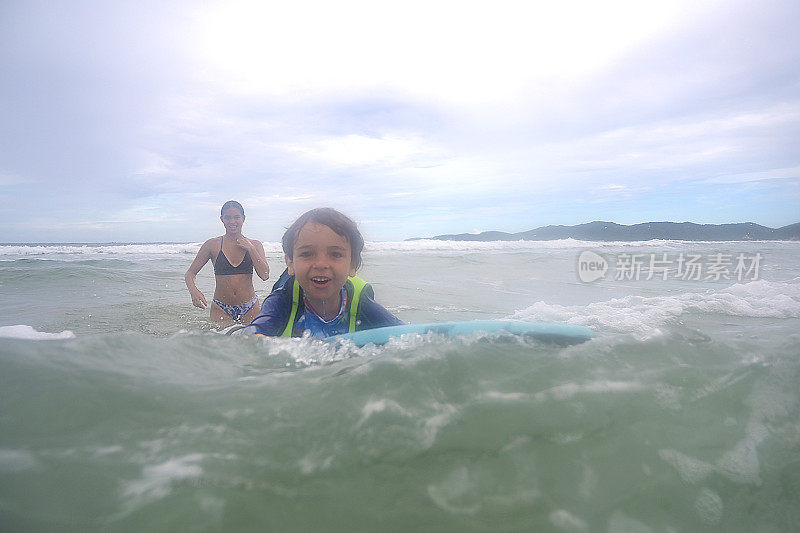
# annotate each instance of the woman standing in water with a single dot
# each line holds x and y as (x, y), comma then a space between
(235, 298)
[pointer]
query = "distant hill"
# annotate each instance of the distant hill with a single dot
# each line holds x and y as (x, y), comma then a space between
(611, 231)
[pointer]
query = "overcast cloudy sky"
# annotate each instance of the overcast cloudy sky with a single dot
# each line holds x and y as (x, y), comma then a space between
(135, 121)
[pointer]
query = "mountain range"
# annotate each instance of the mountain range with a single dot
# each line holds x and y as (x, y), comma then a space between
(611, 231)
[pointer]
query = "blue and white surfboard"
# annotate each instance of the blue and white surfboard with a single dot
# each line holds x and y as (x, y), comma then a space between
(564, 334)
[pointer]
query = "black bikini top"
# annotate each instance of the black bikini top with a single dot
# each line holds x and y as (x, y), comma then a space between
(223, 267)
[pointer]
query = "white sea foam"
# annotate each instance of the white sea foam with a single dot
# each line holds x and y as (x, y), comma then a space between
(436, 422)
(27, 332)
(379, 406)
(16, 460)
(566, 521)
(84, 251)
(739, 464)
(448, 494)
(620, 522)
(690, 469)
(156, 479)
(642, 316)
(315, 461)
(508, 397)
(708, 506)
(431, 245)
(435, 245)
(570, 390)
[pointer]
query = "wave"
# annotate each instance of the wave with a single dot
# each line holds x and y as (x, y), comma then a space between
(432, 245)
(458, 435)
(23, 331)
(644, 316)
(12, 251)
(83, 250)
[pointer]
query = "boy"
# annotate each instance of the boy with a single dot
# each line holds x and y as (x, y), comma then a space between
(318, 293)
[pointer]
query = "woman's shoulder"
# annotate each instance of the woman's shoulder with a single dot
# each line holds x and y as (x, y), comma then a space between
(274, 314)
(254, 241)
(213, 242)
(207, 249)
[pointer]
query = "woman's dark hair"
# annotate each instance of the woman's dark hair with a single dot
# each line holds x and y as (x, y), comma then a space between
(231, 203)
(340, 223)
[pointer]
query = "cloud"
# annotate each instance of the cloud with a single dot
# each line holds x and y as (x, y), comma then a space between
(361, 150)
(455, 52)
(760, 176)
(504, 116)
(10, 178)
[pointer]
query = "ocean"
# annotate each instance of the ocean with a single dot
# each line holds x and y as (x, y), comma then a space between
(122, 409)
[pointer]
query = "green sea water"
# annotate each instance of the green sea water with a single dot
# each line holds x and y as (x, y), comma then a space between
(121, 409)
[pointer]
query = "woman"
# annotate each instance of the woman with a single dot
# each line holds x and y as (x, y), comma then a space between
(235, 298)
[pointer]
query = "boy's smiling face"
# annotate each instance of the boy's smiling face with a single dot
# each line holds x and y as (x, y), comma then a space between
(321, 263)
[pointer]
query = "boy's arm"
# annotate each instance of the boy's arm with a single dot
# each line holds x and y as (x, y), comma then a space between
(271, 320)
(372, 315)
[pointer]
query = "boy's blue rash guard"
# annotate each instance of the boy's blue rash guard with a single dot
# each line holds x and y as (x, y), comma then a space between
(314, 325)
(277, 306)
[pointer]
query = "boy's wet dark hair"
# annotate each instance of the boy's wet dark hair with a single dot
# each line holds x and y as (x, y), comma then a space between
(340, 223)
(231, 203)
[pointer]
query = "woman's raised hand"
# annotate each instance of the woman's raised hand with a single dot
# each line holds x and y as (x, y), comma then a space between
(198, 299)
(245, 243)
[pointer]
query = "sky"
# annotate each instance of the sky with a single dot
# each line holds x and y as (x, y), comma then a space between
(135, 121)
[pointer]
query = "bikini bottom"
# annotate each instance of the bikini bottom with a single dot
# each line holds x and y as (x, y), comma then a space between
(237, 311)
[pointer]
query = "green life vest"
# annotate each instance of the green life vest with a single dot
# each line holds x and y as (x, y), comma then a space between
(354, 287)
